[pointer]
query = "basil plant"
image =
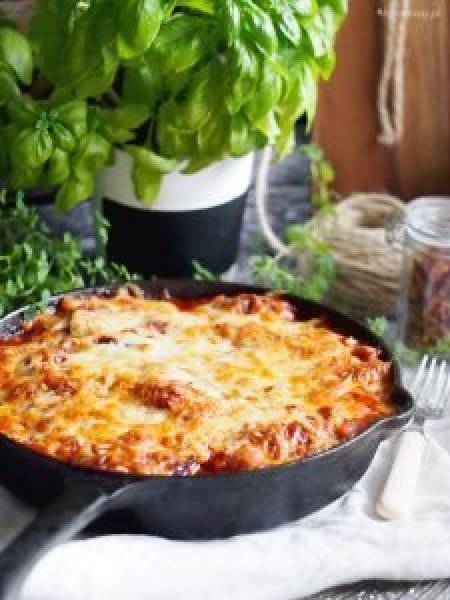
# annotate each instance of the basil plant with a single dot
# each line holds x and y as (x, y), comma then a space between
(175, 83)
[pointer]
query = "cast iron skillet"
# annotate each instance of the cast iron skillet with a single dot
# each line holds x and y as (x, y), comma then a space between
(207, 507)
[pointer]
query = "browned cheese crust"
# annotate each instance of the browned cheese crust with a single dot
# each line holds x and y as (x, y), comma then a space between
(144, 386)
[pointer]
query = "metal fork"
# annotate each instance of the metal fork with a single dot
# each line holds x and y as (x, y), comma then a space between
(430, 388)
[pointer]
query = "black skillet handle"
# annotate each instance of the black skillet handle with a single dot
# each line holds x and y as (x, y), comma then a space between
(78, 505)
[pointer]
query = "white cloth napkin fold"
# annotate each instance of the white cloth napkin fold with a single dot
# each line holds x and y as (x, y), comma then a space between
(343, 543)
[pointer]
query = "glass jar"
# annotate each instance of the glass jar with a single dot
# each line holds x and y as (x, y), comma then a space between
(424, 307)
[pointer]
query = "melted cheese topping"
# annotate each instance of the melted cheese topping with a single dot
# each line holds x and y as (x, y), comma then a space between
(145, 386)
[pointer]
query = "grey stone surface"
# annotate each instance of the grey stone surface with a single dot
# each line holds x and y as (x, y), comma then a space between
(79, 222)
(287, 204)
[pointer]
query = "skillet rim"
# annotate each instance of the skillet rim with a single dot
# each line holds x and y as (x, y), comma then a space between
(393, 422)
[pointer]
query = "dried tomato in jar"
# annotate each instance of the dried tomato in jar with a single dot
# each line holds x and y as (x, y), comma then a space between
(424, 314)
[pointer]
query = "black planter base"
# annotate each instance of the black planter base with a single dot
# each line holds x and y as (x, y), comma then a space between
(165, 243)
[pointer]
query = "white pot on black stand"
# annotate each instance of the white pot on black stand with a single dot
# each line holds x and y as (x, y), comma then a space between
(195, 217)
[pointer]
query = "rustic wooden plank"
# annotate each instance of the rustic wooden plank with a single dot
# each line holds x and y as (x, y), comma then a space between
(423, 159)
(347, 125)
(347, 120)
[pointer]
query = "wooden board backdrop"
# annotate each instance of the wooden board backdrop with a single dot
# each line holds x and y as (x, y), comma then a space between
(347, 124)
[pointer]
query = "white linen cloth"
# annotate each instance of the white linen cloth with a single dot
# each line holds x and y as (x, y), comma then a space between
(343, 543)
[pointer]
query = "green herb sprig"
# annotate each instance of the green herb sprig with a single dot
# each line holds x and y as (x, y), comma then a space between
(201, 273)
(318, 270)
(34, 264)
(322, 177)
(378, 325)
(317, 277)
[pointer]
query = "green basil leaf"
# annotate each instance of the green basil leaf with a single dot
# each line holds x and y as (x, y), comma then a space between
(244, 76)
(49, 32)
(203, 96)
(128, 116)
(92, 55)
(91, 155)
(150, 161)
(72, 192)
(241, 141)
(339, 6)
(23, 112)
(173, 140)
(63, 138)
(179, 120)
(212, 143)
(321, 31)
(22, 177)
(204, 6)
(258, 27)
(116, 135)
(73, 115)
(4, 154)
(305, 8)
(301, 98)
(8, 88)
(309, 91)
(147, 184)
(140, 21)
(145, 83)
(286, 21)
(15, 51)
(289, 109)
(268, 94)
(326, 64)
(182, 43)
(57, 168)
(230, 16)
(77, 46)
(10, 133)
(32, 148)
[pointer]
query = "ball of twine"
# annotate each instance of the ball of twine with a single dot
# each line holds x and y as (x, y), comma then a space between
(368, 266)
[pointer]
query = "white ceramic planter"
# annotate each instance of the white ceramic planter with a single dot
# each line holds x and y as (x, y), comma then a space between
(195, 217)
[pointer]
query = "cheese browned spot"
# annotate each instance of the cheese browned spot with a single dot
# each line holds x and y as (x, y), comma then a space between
(179, 398)
(187, 386)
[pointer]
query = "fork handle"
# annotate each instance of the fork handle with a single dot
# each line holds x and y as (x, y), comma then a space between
(397, 498)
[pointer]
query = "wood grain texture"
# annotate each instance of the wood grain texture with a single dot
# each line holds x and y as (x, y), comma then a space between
(347, 125)
(423, 159)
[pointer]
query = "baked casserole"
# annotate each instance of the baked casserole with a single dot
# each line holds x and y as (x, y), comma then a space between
(148, 386)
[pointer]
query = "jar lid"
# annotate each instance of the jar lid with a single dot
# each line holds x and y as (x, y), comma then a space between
(428, 220)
